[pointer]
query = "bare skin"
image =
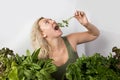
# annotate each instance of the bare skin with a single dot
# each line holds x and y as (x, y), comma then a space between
(53, 36)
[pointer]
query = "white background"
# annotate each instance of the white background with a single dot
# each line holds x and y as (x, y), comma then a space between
(17, 17)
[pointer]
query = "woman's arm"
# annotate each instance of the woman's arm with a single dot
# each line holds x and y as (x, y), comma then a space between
(81, 17)
(81, 37)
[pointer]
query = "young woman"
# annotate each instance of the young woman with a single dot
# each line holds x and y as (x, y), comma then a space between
(47, 35)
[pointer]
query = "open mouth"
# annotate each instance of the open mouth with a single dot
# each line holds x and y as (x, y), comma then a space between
(56, 27)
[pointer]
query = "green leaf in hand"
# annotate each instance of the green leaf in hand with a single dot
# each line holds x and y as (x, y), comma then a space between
(65, 22)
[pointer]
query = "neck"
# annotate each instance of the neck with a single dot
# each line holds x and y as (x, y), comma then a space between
(55, 43)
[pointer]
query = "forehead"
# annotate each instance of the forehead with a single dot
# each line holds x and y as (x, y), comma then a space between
(40, 21)
(43, 20)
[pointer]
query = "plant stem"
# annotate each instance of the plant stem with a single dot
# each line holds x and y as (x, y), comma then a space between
(69, 18)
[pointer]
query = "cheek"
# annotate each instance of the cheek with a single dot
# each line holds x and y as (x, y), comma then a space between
(45, 28)
(47, 31)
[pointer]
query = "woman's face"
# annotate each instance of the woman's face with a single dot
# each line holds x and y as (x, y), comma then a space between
(49, 28)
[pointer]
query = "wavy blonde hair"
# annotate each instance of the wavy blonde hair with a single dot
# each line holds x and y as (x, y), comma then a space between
(38, 41)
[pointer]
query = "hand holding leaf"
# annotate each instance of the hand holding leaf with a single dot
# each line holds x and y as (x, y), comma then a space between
(81, 17)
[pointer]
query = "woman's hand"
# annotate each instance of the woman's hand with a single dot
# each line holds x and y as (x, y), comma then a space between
(81, 17)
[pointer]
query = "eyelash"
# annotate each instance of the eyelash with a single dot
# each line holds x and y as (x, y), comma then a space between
(46, 22)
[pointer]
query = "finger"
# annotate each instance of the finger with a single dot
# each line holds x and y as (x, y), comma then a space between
(76, 13)
(79, 14)
(82, 13)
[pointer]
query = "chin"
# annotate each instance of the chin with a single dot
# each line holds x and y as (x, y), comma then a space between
(59, 35)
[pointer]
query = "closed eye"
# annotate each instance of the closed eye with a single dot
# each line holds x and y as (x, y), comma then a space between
(46, 21)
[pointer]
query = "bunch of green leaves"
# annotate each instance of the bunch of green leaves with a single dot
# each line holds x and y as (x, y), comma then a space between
(65, 23)
(94, 67)
(25, 67)
(116, 59)
(6, 58)
(31, 68)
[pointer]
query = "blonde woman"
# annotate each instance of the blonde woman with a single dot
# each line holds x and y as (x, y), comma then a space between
(47, 35)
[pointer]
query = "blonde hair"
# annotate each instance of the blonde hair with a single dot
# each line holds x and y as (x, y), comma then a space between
(38, 41)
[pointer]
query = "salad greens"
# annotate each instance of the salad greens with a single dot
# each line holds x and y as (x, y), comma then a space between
(25, 67)
(29, 67)
(95, 67)
(6, 58)
(65, 23)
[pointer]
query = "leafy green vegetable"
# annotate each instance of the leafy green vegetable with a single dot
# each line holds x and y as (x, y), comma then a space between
(6, 58)
(94, 67)
(13, 74)
(65, 22)
(29, 67)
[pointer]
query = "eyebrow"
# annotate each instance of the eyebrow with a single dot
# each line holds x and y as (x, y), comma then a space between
(46, 19)
(42, 20)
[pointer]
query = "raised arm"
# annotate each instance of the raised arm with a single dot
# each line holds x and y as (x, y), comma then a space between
(81, 37)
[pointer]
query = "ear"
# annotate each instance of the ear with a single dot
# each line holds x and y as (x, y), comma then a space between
(44, 35)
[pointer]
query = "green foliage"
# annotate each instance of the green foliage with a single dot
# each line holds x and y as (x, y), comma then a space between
(6, 58)
(27, 67)
(94, 67)
(65, 23)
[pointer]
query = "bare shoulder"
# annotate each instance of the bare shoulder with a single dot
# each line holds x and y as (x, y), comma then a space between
(80, 37)
(72, 40)
(73, 37)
